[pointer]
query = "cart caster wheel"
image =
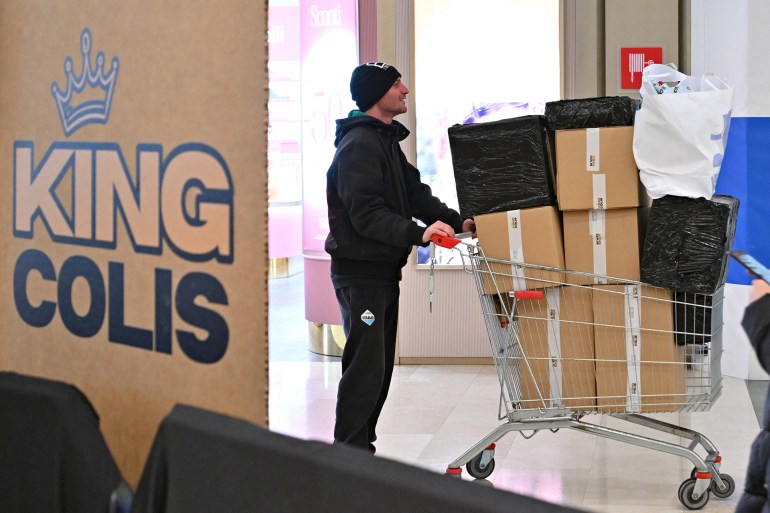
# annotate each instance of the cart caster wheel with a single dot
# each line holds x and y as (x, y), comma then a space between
(686, 498)
(457, 472)
(474, 467)
(716, 465)
(727, 491)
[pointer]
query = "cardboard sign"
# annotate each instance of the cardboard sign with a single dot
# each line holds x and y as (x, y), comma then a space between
(133, 159)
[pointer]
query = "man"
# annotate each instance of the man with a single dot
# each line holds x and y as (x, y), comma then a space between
(756, 323)
(373, 194)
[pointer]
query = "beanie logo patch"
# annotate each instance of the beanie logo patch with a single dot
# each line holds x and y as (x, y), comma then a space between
(380, 65)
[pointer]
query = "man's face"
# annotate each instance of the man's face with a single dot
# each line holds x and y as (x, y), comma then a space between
(394, 101)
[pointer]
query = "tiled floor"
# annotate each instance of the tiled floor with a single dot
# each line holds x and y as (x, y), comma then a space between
(435, 413)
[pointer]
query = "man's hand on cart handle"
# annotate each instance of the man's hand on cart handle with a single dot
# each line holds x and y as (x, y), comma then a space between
(444, 235)
(445, 242)
(438, 228)
(469, 229)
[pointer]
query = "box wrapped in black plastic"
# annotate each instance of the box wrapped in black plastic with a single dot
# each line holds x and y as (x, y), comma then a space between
(590, 112)
(692, 318)
(687, 240)
(502, 165)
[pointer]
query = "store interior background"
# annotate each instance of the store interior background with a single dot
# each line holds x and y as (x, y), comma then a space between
(518, 54)
(444, 393)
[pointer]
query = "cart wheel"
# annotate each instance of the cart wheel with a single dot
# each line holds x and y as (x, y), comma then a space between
(474, 467)
(693, 472)
(727, 491)
(686, 498)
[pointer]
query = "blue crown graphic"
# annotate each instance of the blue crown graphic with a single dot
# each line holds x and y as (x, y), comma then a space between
(93, 86)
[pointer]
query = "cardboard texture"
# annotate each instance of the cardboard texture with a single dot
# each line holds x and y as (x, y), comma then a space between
(556, 335)
(135, 247)
(639, 367)
(595, 169)
(602, 242)
(532, 236)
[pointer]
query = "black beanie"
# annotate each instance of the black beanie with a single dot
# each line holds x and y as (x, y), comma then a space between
(370, 82)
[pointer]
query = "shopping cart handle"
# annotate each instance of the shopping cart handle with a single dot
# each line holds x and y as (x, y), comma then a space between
(445, 242)
(528, 294)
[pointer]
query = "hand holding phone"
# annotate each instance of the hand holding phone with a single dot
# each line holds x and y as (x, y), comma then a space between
(752, 265)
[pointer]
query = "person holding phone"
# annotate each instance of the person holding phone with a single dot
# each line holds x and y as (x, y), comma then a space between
(756, 323)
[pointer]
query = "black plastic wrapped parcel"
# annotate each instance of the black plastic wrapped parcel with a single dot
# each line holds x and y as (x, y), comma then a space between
(687, 243)
(502, 165)
(590, 112)
(692, 318)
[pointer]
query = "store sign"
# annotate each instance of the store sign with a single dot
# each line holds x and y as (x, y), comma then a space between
(632, 64)
(329, 53)
(133, 170)
(103, 198)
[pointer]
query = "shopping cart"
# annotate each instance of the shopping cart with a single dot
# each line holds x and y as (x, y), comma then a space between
(567, 345)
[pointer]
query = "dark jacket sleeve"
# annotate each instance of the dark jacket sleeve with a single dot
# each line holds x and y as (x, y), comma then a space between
(425, 206)
(756, 323)
(360, 187)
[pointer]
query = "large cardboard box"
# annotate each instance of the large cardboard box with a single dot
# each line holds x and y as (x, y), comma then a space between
(686, 243)
(502, 165)
(135, 209)
(556, 337)
(639, 367)
(532, 236)
(595, 169)
(604, 243)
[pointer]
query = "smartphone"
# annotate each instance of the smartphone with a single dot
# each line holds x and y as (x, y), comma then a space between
(752, 265)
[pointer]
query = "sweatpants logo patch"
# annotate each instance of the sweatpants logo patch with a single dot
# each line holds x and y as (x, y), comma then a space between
(368, 317)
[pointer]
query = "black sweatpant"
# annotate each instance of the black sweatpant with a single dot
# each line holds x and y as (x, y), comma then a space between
(370, 320)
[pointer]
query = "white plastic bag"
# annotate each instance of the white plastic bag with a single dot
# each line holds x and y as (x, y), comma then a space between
(680, 132)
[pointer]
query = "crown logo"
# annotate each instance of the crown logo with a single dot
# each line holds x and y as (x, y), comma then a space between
(88, 97)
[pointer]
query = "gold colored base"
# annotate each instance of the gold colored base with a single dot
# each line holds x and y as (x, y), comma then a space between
(326, 339)
(285, 267)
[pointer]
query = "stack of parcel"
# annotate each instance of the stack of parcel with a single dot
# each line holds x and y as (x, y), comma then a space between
(627, 282)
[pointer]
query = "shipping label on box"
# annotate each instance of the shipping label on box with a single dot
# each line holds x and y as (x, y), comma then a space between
(531, 236)
(595, 169)
(556, 359)
(604, 244)
(639, 367)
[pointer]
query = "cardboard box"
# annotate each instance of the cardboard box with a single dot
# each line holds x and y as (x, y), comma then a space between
(686, 243)
(602, 242)
(639, 367)
(532, 236)
(595, 169)
(556, 336)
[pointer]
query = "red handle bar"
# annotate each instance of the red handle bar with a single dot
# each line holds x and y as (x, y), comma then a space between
(528, 294)
(445, 242)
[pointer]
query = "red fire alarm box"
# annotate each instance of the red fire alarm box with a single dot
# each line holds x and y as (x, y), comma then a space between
(632, 63)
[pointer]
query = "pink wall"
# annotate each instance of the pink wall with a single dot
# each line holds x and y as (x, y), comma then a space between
(320, 301)
(284, 225)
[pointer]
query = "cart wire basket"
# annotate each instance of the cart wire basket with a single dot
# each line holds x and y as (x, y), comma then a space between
(567, 345)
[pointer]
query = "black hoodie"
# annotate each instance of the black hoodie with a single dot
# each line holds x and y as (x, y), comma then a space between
(372, 193)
